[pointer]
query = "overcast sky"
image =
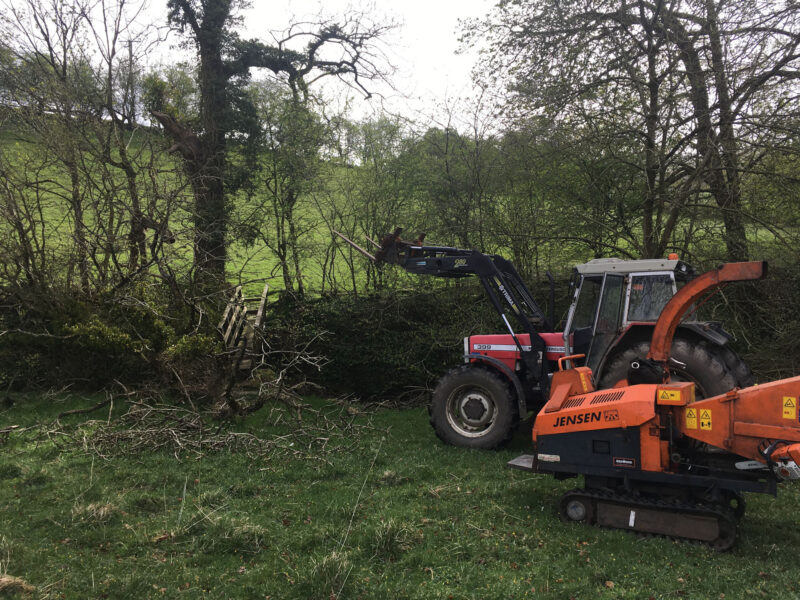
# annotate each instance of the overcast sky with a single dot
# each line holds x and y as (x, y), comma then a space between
(423, 48)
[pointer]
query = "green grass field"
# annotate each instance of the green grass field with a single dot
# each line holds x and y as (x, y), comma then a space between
(365, 505)
(46, 187)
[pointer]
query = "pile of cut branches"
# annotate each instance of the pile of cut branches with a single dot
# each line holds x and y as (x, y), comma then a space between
(181, 431)
(288, 427)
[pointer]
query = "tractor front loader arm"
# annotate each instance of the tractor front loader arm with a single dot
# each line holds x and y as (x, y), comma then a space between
(502, 283)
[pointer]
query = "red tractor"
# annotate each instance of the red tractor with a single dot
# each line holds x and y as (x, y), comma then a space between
(614, 305)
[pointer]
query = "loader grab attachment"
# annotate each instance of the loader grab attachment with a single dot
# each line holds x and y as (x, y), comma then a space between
(656, 459)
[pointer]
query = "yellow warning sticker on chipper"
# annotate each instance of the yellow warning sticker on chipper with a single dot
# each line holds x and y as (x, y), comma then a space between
(789, 407)
(669, 396)
(705, 419)
(691, 418)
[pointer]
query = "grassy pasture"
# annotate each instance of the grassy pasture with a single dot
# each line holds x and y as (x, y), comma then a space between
(379, 510)
(47, 192)
(252, 262)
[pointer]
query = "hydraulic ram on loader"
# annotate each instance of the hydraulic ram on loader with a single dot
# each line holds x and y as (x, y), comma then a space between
(654, 459)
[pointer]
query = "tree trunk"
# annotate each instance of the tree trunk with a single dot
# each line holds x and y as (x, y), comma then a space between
(210, 251)
(79, 227)
(727, 196)
(295, 249)
(718, 166)
(651, 158)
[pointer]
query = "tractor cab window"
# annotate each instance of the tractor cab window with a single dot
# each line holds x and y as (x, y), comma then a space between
(606, 327)
(587, 304)
(648, 296)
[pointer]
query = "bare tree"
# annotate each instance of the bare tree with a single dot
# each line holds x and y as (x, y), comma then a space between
(54, 95)
(682, 81)
(72, 77)
(344, 50)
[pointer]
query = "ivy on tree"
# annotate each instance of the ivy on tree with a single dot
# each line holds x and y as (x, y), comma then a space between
(345, 50)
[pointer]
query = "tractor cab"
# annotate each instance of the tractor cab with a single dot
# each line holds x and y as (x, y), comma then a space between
(608, 296)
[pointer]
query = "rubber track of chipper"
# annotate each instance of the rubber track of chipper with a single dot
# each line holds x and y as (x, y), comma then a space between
(712, 525)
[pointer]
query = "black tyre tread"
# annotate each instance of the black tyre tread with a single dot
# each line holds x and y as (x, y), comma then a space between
(617, 369)
(705, 365)
(438, 419)
(744, 376)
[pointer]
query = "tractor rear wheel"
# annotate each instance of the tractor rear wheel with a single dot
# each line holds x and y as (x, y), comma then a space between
(739, 369)
(713, 369)
(473, 407)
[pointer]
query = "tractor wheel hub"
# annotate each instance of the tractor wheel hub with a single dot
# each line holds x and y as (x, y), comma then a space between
(471, 412)
(474, 408)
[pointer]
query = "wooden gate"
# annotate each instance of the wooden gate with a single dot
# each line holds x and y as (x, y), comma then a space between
(239, 324)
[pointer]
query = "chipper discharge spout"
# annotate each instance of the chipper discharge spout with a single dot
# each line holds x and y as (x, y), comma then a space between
(655, 458)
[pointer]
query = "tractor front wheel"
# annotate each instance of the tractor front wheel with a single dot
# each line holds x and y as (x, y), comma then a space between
(473, 407)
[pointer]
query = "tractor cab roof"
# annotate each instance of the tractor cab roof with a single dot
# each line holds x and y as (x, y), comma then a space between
(600, 266)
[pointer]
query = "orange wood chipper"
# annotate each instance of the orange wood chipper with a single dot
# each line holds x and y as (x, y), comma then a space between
(654, 458)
